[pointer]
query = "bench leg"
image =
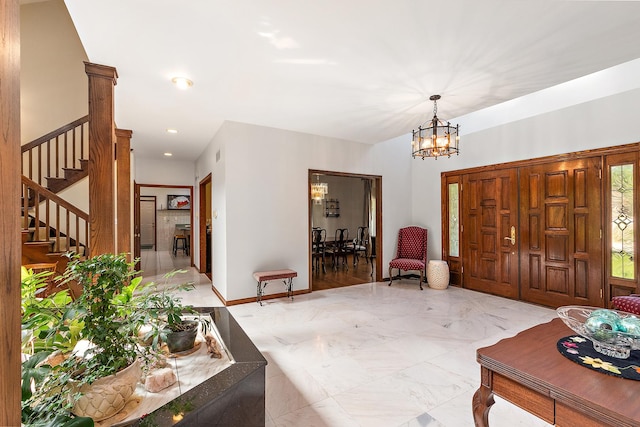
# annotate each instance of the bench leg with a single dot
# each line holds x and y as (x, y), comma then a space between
(288, 283)
(260, 292)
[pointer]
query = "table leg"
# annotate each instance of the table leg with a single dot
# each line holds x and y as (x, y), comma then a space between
(482, 401)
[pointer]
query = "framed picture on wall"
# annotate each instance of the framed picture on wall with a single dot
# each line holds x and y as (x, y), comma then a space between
(175, 202)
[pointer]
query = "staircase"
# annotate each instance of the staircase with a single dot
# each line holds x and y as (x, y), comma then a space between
(58, 159)
(51, 226)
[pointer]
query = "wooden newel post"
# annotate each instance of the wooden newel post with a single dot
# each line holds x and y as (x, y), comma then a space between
(102, 196)
(10, 251)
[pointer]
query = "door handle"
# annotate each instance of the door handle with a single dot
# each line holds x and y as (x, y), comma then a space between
(512, 239)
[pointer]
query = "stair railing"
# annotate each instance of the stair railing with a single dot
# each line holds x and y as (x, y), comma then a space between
(50, 154)
(52, 217)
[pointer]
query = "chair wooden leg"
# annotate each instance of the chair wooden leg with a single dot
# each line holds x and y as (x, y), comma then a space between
(420, 279)
(390, 276)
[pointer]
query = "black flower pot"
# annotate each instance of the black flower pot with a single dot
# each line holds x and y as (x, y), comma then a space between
(183, 340)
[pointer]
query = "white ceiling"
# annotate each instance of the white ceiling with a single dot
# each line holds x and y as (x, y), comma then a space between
(360, 70)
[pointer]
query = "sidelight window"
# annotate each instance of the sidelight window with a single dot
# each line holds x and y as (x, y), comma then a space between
(622, 226)
(454, 226)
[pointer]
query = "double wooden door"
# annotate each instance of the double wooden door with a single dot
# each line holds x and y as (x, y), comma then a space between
(534, 232)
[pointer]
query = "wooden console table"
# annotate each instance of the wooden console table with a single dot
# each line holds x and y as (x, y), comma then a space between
(528, 371)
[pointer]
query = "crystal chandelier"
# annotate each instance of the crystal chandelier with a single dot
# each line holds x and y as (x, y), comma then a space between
(437, 139)
(318, 190)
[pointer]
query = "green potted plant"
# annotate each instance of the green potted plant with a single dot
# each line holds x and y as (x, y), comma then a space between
(99, 335)
(167, 317)
(110, 329)
(49, 329)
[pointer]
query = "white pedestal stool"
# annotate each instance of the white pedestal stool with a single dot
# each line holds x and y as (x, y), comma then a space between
(438, 274)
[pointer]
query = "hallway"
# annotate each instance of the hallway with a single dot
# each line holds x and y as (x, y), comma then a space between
(156, 263)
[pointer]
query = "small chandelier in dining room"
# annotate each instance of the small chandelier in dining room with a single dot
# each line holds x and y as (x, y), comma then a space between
(437, 139)
(318, 190)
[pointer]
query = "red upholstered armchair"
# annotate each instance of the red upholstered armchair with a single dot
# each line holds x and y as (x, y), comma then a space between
(412, 252)
(630, 303)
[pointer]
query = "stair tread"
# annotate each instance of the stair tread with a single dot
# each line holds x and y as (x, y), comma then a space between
(38, 243)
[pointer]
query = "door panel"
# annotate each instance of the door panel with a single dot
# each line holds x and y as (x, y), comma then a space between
(148, 223)
(489, 212)
(561, 251)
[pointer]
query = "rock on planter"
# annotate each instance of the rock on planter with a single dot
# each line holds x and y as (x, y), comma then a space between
(183, 340)
(107, 396)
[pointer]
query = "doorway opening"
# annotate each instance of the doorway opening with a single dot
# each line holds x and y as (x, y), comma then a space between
(170, 207)
(345, 230)
(205, 224)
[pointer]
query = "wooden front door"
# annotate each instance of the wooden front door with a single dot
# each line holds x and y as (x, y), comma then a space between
(560, 229)
(490, 212)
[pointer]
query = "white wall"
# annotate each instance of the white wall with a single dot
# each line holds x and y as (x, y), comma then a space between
(349, 191)
(206, 164)
(262, 201)
(53, 84)
(163, 171)
(393, 159)
(161, 194)
(603, 122)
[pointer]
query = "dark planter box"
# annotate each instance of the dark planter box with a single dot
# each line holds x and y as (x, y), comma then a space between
(234, 396)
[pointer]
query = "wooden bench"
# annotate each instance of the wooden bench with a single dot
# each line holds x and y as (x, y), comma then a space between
(265, 276)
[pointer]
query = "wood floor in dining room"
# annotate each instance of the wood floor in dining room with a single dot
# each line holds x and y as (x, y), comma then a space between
(343, 275)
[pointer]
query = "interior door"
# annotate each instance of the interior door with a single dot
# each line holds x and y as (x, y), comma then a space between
(205, 226)
(148, 223)
(490, 229)
(561, 248)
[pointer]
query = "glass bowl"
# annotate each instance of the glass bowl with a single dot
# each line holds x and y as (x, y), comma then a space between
(610, 342)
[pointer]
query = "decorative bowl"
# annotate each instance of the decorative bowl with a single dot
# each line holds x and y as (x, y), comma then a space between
(602, 328)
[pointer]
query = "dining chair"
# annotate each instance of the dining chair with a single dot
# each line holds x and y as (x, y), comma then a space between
(318, 247)
(360, 244)
(339, 249)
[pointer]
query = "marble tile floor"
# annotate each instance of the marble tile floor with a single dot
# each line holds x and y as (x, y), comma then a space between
(372, 355)
(156, 263)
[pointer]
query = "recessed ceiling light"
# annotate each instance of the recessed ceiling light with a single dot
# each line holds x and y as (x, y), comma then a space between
(168, 154)
(172, 130)
(182, 82)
